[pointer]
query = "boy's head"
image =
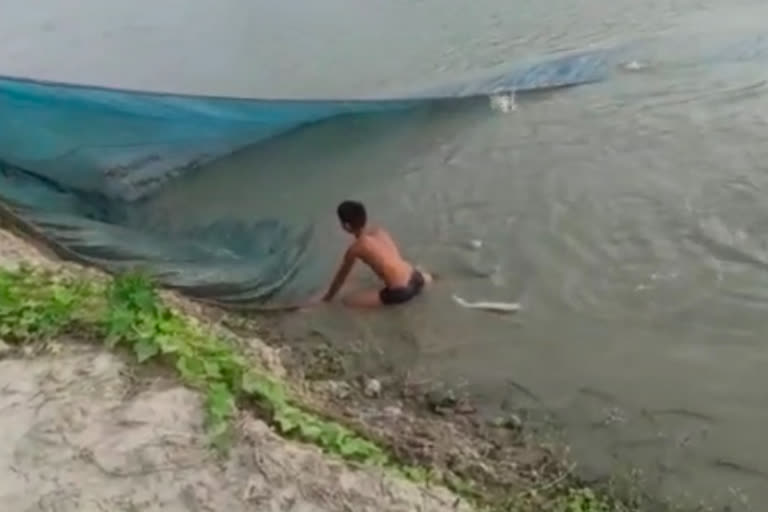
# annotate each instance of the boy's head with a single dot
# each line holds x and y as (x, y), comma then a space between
(352, 216)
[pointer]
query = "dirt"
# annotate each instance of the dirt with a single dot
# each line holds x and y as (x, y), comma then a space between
(78, 437)
(82, 431)
(418, 420)
(14, 250)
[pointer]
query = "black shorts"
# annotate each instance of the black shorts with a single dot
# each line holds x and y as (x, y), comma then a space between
(403, 293)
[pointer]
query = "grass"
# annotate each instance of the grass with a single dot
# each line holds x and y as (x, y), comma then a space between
(126, 312)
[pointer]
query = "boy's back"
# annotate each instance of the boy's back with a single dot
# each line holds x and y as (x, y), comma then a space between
(376, 248)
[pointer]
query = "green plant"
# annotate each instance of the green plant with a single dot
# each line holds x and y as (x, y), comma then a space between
(137, 317)
(582, 500)
(35, 306)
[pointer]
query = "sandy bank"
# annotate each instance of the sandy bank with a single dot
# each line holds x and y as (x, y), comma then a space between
(82, 431)
(80, 434)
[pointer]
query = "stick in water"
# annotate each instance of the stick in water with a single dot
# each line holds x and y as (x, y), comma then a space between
(493, 307)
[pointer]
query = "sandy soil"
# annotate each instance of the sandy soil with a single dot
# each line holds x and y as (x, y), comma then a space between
(14, 250)
(82, 432)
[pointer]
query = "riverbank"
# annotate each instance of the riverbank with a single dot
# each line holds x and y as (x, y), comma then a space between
(213, 415)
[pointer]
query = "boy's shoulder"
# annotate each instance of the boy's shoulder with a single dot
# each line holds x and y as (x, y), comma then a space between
(356, 246)
(364, 243)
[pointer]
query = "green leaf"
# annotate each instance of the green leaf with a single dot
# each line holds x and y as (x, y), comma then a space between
(145, 350)
(311, 428)
(119, 321)
(63, 296)
(221, 402)
(212, 369)
(169, 324)
(287, 425)
(288, 418)
(190, 367)
(263, 387)
(167, 344)
(355, 446)
(332, 434)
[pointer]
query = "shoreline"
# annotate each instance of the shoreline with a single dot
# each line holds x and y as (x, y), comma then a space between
(423, 435)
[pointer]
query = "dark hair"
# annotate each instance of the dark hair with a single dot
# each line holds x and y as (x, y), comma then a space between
(352, 213)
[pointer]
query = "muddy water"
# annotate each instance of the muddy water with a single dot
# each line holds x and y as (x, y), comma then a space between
(628, 217)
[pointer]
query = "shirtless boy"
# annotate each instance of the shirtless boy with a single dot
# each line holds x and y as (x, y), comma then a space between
(374, 247)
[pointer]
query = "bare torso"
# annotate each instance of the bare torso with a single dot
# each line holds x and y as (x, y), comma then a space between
(376, 248)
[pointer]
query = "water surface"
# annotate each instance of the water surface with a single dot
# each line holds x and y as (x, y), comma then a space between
(627, 216)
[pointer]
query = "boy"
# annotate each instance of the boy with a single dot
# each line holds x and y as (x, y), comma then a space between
(374, 247)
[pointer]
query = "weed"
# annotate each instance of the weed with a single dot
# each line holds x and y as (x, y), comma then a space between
(35, 306)
(581, 500)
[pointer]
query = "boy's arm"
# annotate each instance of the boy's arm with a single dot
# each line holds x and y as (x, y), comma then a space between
(341, 274)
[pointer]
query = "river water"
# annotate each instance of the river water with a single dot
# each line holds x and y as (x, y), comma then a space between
(626, 216)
